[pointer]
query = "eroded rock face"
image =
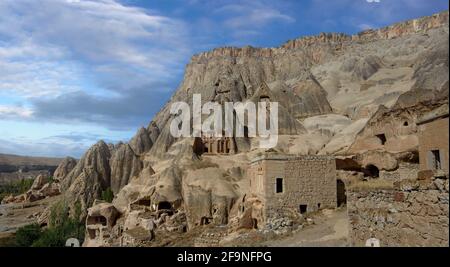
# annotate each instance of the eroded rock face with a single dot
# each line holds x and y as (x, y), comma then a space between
(332, 89)
(125, 164)
(64, 168)
(90, 177)
(208, 197)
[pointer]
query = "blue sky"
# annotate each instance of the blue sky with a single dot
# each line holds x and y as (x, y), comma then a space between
(76, 71)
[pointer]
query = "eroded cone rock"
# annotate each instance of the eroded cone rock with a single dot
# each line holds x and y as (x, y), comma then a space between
(64, 168)
(90, 177)
(38, 182)
(125, 164)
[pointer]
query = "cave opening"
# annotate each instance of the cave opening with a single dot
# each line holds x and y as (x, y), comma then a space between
(382, 138)
(164, 205)
(371, 171)
(341, 193)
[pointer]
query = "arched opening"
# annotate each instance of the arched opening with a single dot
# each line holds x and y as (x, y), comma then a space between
(371, 171)
(164, 205)
(341, 193)
(405, 123)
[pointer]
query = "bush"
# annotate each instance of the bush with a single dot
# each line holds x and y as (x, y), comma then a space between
(27, 235)
(108, 195)
(61, 227)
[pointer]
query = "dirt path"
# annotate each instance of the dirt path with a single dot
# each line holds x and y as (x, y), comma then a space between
(330, 229)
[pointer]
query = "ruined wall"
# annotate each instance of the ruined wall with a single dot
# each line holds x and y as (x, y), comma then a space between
(434, 136)
(307, 180)
(403, 172)
(413, 213)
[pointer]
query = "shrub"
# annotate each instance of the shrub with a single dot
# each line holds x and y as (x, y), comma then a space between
(28, 234)
(61, 227)
(108, 195)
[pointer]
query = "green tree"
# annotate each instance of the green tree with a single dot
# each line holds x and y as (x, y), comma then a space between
(108, 195)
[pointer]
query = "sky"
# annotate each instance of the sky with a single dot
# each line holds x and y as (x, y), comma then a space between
(73, 72)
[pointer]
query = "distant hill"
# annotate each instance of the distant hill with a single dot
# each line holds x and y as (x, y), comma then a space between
(15, 160)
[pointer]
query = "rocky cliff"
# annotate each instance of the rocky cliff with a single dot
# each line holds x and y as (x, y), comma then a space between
(328, 87)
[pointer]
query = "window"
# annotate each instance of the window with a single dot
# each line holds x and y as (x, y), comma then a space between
(405, 123)
(303, 209)
(434, 160)
(382, 138)
(279, 185)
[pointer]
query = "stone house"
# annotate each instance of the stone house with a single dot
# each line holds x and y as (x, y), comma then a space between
(433, 139)
(293, 183)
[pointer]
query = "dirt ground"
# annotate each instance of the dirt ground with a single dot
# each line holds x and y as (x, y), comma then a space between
(330, 229)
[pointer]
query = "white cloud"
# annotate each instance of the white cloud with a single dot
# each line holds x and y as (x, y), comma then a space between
(251, 16)
(7, 112)
(47, 47)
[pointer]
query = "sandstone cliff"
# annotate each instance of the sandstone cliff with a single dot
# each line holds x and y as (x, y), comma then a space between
(328, 87)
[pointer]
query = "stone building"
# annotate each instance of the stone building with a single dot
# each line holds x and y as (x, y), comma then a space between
(433, 140)
(293, 183)
(208, 144)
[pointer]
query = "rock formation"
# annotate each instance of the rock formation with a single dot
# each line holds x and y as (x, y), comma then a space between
(354, 96)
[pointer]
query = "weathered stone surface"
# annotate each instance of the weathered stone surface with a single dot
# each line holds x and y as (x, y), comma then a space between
(64, 168)
(125, 164)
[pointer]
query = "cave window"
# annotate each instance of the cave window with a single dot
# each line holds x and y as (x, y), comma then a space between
(372, 171)
(405, 123)
(279, 185)
(434, 160)
(303, 209)
(164, 205)
(318, 205)
(144, 202)
(382, 138)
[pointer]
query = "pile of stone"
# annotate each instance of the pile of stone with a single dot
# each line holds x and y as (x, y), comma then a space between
(279, 225)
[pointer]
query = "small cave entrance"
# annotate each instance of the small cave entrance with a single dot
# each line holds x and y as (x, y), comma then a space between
(381, 138)
(164, 205)
(254, 223)
(205, 221)
(303, 209)
(341, 193)
(97, 220)
(91, 233)
(371, 171)
(144, 202)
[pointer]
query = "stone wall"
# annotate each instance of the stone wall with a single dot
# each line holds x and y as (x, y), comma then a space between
(434, 136)
(306, 180)
(413, 213)
(405, 171)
